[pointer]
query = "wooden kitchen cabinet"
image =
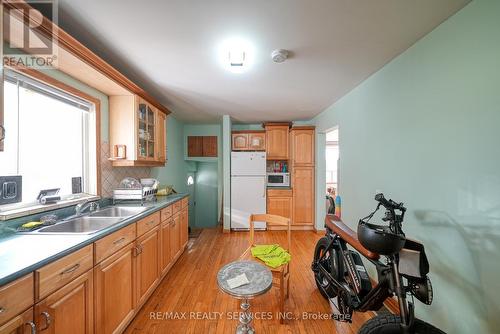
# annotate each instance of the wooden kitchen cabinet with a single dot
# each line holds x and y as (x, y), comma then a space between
(195, 146)
(147, 265)
(209, 146)
(202, 146)
(115, 285)
(279, 202)
(161, 130)
(302, 146)
(239, 141)
(136, 123)
(22, 324)
(57, 274)
(277, 142)
(248, 140)
(175, 242)
(257, 141)
(184, 227)
(165, 253)
(69, 309)
(303, 195)
(16, 297)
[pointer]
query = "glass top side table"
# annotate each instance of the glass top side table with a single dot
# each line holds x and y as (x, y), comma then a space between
(261, 281)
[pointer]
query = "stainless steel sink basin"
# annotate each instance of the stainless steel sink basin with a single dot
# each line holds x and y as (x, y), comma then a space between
(92, 223)
(80, 225)
(118, 211)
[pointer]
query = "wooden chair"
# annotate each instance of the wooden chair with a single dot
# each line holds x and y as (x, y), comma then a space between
(281, 275)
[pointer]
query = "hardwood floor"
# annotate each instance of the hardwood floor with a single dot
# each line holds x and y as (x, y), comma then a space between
(189, 301)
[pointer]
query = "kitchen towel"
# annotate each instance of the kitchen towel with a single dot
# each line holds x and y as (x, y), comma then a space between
(272, 255)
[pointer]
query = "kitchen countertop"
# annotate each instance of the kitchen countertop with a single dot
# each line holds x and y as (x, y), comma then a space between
(21, 254)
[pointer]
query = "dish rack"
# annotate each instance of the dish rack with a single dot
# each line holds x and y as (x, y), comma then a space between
(131, 189)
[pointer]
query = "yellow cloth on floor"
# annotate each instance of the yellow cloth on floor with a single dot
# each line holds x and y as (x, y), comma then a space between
(272, 255)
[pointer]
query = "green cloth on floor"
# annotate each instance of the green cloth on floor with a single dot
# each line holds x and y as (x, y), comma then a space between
(272, 255)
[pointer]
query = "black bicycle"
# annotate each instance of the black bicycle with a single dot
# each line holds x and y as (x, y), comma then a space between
(343, 279)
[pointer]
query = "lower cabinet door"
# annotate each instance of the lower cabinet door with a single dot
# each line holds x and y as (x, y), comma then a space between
(175, 235)
(280, 206)
(184, 227)
(69, 309)
(22, 324)
(303, 195)
(148, 265)
(165, 256)
(114, 280)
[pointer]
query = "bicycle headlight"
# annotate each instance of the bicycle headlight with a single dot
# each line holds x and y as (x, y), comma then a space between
(422, 290)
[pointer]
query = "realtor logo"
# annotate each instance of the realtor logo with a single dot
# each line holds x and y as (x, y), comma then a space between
(29, 37)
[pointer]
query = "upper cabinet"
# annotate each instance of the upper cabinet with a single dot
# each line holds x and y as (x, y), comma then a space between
(202, 146)
(161, 130)
(277, 145)
(139, 126)
(302, 146)
(249, 140)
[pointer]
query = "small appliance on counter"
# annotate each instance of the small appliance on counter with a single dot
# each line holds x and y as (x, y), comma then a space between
(131, 189)
(278, 179)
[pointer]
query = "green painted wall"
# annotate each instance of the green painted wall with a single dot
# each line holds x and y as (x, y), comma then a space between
(241, 126)
(226, 170)
(424, 129)
(206, 191)
(175, 172)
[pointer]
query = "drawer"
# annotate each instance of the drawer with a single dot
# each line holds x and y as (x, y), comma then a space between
(16, 297)
(166, 213)
(146, 224)
(184, 202)
(109, 245)
(176, 207)
(279, 192)
(56, 274)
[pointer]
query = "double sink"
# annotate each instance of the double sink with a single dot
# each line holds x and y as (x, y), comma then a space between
(93, 222)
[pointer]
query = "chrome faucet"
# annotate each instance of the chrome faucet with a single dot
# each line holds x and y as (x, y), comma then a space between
(87, 204)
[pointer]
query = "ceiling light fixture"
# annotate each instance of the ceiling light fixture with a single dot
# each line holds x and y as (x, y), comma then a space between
(236, 55)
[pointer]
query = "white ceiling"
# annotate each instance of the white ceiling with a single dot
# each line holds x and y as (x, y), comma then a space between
(170, 49)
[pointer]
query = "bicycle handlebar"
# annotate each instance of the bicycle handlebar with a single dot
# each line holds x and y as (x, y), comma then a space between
(389, 204)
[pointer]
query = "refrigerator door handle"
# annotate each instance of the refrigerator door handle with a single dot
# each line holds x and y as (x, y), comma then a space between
(265, 186)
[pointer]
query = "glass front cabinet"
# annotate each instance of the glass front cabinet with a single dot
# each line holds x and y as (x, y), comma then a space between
(138, 129)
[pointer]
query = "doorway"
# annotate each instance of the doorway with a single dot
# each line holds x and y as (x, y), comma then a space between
(332, 155)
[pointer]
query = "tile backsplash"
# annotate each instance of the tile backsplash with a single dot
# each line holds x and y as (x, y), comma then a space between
(112, 176)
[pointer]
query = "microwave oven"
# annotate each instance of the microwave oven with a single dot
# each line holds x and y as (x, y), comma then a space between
(278, 179)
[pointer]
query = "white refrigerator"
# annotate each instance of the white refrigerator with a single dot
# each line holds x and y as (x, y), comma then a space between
(248, 188)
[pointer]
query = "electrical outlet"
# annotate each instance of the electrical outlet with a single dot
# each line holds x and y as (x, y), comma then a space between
(76, 185)
(11, 189)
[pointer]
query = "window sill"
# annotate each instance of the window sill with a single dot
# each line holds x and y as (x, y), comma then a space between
(38, 208)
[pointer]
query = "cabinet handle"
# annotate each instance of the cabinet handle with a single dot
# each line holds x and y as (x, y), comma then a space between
(150, 222)
(48, 320)
(70, 270)
(32, 327)
(137, 251)
(119, 241)
(2, 135)
(2, 310)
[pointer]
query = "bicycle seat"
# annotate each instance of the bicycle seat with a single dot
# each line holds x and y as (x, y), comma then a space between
(350, 236)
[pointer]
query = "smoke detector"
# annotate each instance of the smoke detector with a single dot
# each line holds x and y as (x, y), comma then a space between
(279, 55)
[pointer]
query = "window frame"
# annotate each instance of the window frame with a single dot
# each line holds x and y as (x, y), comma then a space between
(52, 82)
